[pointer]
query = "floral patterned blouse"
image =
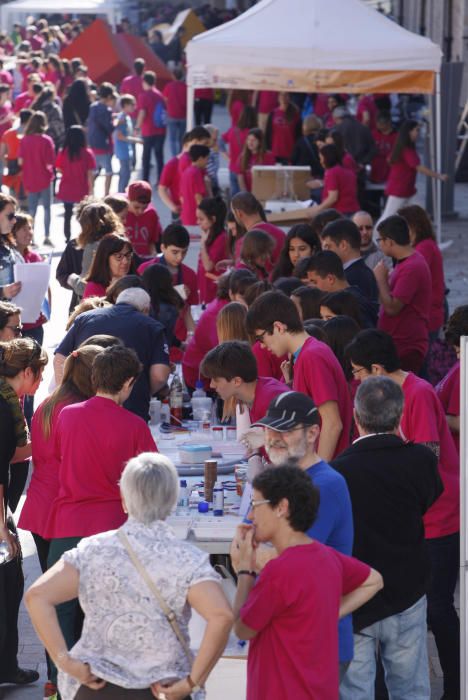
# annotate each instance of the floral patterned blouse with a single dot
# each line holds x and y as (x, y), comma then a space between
(126, 638)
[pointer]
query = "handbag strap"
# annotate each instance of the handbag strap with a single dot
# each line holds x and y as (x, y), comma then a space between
(168, 613)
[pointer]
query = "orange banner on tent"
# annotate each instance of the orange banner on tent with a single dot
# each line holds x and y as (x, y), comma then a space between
(287, 80)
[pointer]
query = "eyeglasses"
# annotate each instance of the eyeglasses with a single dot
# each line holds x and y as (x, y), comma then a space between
(356, 370)
(11, 216)
(259, 338)
(16, 329)
(123, 256)
(254, 504)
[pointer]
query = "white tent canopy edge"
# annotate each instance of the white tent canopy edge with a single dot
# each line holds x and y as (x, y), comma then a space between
(16, 10)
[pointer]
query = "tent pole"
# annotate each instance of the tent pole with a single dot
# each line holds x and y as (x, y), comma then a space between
(190, 103)
(438, 135)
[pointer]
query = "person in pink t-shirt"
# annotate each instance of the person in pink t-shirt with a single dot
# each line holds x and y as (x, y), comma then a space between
(339, 184)
(75, 386)
(6, 111)
(193, 186)
(235, 138)
(423, 240)
(249, 213)
(448, 389)
(175, 94)
(211, 215)
(133, 84)
(267, 102)
(366, 111)
(290, 611)
(284, 128)
(404, 167)
(372, 353)
(405, 294)
(384, 137)
(153, 128)
(253, 153)
(37, 158)
(232, 370)
(142, 225)
(273, 320)
(93, 441)
(77, 164)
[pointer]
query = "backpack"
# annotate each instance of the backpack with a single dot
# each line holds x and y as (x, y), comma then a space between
(160, 115)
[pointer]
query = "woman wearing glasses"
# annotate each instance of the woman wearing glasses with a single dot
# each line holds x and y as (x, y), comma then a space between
(10, 321)
(113, 260)
(22, 362)
(8, 255)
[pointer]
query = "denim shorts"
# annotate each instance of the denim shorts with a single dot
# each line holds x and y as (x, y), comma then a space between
(104, 160)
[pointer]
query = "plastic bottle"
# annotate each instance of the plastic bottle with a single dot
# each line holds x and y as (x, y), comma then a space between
(199, 392)
(183, 502)
(165, 411)
(176, 398)
(218, 499)
(200, 402)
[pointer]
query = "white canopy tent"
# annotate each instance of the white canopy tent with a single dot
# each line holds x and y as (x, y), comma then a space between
(19, 9)
(316, 46)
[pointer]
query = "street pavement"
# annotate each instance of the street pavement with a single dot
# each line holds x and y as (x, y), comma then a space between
(228, 679)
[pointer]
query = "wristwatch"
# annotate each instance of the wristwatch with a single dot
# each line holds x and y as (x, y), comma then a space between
(193, 686)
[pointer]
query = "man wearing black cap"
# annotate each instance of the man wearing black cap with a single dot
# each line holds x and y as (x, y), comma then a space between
(291, 431)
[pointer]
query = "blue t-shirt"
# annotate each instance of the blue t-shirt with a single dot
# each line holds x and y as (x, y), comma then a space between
(123, 149)
(137, 331)
(334, 527)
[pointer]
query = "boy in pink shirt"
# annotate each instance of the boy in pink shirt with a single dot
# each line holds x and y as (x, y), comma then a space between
(193, 187)
(274, 321)
(142, 225)
(405, 294)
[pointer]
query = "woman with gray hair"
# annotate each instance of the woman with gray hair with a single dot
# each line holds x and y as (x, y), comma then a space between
(131, 583)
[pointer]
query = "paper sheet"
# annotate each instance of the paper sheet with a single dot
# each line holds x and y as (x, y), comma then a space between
(35, 282)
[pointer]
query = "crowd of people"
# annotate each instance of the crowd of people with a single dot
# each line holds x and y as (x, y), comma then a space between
(332, 344)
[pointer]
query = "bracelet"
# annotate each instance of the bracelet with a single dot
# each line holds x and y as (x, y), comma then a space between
(193, 686)
(247, 573)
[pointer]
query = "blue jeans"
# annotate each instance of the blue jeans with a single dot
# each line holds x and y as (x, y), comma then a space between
(153, 143)
(402, 639)
(233, 183)
(176, 129)
(124, 174)
(45, 197)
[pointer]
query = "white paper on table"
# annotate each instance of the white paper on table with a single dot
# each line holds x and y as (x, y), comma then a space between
(35, 282)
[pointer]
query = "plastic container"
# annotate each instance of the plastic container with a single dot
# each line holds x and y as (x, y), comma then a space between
(200, 403)
(183, 502)
(218, 499)
(194, 454)
(155, 411)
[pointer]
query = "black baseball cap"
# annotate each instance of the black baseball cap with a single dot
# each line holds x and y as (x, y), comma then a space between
(289, 410)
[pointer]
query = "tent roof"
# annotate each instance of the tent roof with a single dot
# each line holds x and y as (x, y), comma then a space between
(57, 6)
(313, 35)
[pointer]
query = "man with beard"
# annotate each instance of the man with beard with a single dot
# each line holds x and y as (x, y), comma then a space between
(291, 431)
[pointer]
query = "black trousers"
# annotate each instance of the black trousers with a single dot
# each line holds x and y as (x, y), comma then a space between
(114, 692)
(11, 592)
(203, 110)
(153, 143)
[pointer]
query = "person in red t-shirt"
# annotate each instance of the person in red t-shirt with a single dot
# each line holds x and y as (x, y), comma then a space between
(175, 241)
(253, 153)
(235, 138)
(133, 84)
(142, 225)
(25, 99)
(211, 215)
(405, 293)
(175, 93)
(77, 164)
(274, 321)
(374, 353)
(151, 122)
(249, 213)
(423, 240)
(267, 102)
(283, 129)
(339, 184)
(255, 253)
(193, 187)
(384, 137)
(404, 166)
(6, 111)
(199, 136)
(232, 369)
(289, 613)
